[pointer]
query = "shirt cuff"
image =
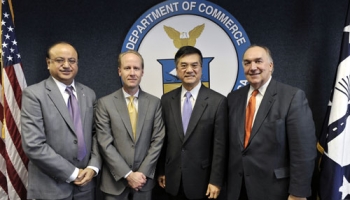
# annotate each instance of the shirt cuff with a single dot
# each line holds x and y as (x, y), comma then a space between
(94, 168)
(128, 174)
(73, 176)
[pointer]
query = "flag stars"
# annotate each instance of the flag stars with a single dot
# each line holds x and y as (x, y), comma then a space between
(10, 29)
(18, 55)
(14, 42)
(3, 1)
(12, 50)
(7, 37)
(9, 58)
(345, 188)
(6, 15)
(3, 22)
(4, 45)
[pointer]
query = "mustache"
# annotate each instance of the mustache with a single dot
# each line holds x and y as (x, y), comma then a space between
(65, 70)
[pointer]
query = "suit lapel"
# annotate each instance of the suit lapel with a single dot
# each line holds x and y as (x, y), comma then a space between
(241, 108)
(143, 103)
(175, 106)
(198, 109)
(264, 108)
(122, 109)
(56, 97)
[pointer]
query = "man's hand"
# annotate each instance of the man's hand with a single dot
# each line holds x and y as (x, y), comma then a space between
(161, 181)
(291, 197)
(136, 180)
(84, 176)
(212, 191)
(78, 179)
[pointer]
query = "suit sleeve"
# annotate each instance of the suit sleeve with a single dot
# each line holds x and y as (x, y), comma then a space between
(219, 144)
(149, 163)
(112, 158)
(95, 159)
(302, 145)
(34, 140)
(161, 161)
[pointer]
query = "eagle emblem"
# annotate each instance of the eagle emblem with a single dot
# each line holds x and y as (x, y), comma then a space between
(184, 38)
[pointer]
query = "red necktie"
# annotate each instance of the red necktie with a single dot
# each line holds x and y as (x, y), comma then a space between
(249, 116)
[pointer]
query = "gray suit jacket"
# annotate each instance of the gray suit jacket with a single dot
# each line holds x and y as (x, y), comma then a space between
(199, 157)
(120, 152)
(49, 140)
(279, 159)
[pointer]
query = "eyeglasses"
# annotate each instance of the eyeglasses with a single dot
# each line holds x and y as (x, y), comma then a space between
(61, 61)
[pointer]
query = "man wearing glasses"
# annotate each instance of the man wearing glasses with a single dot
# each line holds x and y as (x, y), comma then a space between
(58, 132)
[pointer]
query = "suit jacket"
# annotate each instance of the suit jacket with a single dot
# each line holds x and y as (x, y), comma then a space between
(197, 158)
(120, 152)
(279, 159)
(50, 142)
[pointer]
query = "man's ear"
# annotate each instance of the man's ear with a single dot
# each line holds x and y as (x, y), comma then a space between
(48, 62)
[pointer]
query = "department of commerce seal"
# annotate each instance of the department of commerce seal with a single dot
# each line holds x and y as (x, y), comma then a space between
(169, 25)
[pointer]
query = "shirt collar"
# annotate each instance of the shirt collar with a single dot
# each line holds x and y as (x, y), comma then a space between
(262, 89)
(194, 91)
(62, 87)
(126, 95)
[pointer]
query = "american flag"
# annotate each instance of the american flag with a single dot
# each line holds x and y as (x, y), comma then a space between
(335, 138)
(13, 161)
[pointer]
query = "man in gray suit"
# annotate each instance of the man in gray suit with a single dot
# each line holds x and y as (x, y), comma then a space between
(130, 146)
(276, 160)
(193, 161)
(50, 138)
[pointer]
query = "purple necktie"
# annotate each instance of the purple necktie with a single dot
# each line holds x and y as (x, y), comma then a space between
(74, 111)
(186, 111)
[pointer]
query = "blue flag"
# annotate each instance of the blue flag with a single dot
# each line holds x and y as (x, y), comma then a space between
(334, 141)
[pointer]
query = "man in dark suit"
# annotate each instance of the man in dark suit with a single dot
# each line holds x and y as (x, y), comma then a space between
(49, 137)
(276, 160)
(193, 158)
(130, 144)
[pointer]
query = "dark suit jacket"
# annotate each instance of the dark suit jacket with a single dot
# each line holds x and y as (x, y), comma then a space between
(280, 155)
(199, 157)
(49, 140)
(120, 152)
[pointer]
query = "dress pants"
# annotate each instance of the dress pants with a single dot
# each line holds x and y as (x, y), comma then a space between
(130, 194)
(181, 195)
(79, 195)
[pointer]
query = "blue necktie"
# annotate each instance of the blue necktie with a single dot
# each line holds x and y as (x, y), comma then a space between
(186, 111)
(74, 111)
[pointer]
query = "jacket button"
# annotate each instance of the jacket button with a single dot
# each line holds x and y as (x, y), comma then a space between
(75, 141)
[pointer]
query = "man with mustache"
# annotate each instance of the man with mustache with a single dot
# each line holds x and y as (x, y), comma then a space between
(58, 132)
(272, 143)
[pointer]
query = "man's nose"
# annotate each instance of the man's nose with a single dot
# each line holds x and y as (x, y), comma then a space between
(66, 63)
(189, 69)
(254, 66)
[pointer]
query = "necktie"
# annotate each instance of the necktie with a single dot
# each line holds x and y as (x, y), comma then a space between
(74, 111)
(186, 111)
(249, 116)
(132, 115)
